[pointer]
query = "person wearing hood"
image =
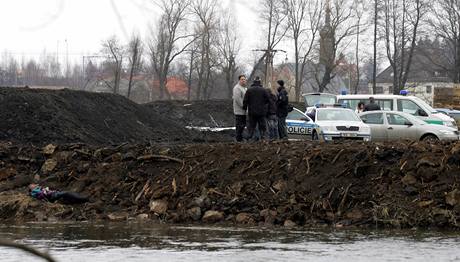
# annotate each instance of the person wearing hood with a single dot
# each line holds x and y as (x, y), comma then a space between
(256, 101)
(282, 109)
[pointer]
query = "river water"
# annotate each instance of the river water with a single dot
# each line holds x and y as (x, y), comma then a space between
(146, 242)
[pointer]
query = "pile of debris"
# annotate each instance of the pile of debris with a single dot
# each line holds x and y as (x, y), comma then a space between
(277, 183)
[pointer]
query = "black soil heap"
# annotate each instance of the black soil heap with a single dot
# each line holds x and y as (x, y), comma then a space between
(65, 116)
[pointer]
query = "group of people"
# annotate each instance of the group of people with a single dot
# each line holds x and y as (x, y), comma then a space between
(372, 106)
(260, 109)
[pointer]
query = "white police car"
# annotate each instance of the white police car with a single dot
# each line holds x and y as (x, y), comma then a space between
(299, 125)
(337, 123)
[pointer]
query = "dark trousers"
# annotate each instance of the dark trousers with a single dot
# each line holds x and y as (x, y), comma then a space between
(257, 121)
(68, 198)
(282, 128)
(272, 125)
(240, 124)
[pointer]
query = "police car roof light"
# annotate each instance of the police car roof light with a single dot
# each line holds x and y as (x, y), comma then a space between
(404, 92)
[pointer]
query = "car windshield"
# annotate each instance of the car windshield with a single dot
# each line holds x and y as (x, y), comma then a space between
(426, 106)
(315, 99)
(337, 115)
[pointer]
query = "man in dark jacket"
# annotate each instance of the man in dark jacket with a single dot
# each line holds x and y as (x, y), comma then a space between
(372, 106)
(256, 101)
(282, 109)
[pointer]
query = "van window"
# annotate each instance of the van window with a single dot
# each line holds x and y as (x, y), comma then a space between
(410, 107)
(352, 103)
(385, 104)
(313, 99)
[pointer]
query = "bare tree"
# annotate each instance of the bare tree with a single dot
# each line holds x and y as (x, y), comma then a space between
(275, 19)
(445, 22)
(192, 53)
(207, 28)
(114, 50)
(358, 9)
(303, 18)
(401, 27)
(169, 34)
(135, 50)
(376, 11)
(229, 47)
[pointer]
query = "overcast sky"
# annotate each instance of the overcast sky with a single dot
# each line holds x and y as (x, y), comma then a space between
(30, 26)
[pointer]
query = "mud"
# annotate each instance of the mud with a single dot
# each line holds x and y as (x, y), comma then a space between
(139, 162)
(280, 183)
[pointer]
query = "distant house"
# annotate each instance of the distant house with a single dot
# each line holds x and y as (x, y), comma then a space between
(424, 77)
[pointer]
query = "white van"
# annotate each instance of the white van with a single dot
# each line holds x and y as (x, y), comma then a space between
(409, 104)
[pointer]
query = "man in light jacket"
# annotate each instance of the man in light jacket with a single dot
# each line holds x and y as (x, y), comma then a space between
(240, 114)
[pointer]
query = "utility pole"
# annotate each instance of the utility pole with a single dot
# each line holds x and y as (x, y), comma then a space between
(269, 55)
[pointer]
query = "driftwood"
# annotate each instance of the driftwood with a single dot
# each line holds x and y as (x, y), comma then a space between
(28, 249)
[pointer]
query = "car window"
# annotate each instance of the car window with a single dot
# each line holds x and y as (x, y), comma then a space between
(394, 119)
(296, 115)
(410, 107)
(336, 115)
(376, 118)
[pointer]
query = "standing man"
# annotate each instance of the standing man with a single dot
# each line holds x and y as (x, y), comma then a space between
(240, 114)
(256, 101)
(372, 106)
(282, 109)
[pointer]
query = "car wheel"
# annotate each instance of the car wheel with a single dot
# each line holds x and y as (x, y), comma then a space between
(430, 138)
(315, 136)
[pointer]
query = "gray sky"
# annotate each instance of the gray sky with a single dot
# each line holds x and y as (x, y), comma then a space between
(31, 26)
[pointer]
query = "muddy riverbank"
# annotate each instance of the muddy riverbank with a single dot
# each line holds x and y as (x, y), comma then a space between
(280, 183)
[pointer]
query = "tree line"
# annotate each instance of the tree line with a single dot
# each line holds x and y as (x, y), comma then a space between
(199, 42)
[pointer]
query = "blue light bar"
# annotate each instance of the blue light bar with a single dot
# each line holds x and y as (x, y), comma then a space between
(404, 92)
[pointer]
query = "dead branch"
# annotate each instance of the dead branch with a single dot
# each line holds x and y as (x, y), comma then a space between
(28, 249)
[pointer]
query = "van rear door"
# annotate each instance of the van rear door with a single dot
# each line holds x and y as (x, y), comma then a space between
(313, 99)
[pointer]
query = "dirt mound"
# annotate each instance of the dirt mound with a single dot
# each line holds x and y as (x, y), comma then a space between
(65, 116)
(211, 113)
(282, 183)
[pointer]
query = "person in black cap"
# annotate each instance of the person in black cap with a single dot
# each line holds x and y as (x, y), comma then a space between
(282, 111)
(256, 101)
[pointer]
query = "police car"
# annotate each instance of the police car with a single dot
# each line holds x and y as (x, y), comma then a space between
(337, 123)
(299, 125)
